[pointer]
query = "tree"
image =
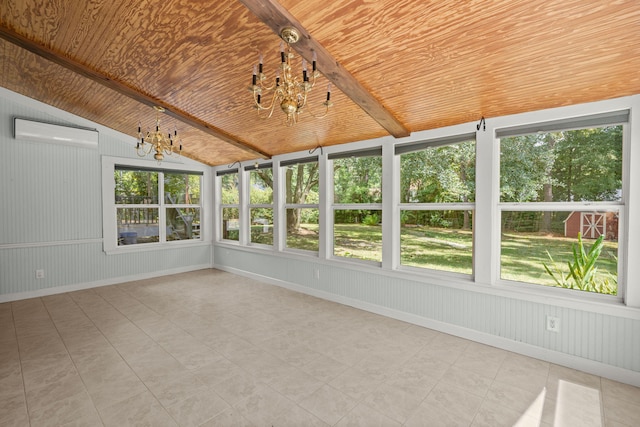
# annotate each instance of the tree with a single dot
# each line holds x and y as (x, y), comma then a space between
(443, 174)
(550, 140)
(588, 165)
(524, 162)
(573, 165)
(357, 180)
(261, 193)
(300, 181)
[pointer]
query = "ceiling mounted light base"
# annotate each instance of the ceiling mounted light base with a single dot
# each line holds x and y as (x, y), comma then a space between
(290, 35)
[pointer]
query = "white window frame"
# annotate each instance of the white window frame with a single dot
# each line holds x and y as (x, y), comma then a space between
(607, 118)
(330, 229)
(248, 170)
(453, 206)
(221, 206)
(282, 193)
(109, 206)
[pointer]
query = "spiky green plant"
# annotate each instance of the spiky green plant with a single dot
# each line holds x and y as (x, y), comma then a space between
(582, 272)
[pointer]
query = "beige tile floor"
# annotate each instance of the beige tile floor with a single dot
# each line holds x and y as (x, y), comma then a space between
(209, 348)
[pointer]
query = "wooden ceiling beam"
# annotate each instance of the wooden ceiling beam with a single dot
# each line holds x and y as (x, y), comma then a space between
(277, 17)
(126, 90)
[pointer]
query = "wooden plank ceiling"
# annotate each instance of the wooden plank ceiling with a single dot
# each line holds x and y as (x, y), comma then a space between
(398, 66)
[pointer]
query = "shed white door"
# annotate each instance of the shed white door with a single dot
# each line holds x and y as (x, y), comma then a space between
(592, 224)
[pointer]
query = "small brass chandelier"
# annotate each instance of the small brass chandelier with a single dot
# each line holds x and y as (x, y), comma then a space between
(160, 143)
(289, 91)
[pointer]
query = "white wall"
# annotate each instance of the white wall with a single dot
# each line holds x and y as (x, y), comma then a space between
(51, 211)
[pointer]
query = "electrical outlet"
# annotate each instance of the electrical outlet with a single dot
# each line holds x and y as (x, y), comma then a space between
(39, 274)
(553, 324)
(316, 274)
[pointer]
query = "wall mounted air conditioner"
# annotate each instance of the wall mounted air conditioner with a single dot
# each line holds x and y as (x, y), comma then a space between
(46, 132)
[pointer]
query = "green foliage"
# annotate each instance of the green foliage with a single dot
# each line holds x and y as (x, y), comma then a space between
(181, 188)
(309, 216)
(588, 165)
(404, 217)
(442, 174)
(371, 219)
(358, 180)
(261, 186)
(436, 219)
(574, 165)
(531, 221)
(525, 162)
(582, 272)
(439, 174)
(258, 215)
(136, 187)
(230, 193)
(230, 213)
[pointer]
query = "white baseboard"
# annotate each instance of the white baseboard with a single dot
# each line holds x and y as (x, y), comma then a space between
(106, 282)
(592, 367)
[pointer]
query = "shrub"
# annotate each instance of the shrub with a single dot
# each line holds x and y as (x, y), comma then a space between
(582, 271)
(371, 219)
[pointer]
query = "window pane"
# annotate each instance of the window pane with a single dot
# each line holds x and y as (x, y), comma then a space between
(181, 189)
(301, 182)
(357, 180)
(230, 193)
(261, 226)
(183, 223)
(230, 224)
(358, 234)
(302, 229)
(440, 240)
(533, 240)
(137, 225)
(576, 165)
(439, 174)
(136, 187)
(261, 186)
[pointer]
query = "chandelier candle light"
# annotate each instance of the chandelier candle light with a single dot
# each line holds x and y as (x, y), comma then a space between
(289, 91)
(161, 143)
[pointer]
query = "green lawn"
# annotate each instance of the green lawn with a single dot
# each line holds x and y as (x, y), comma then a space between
(522, 254)
(358, 241)
(437, 248)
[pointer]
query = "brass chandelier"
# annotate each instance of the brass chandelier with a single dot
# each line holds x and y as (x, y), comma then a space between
(160, 143)
(289, 91)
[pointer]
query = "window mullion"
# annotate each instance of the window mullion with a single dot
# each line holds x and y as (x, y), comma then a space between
(560, 206)
(279, 212)
(390, 210)
(486, 227)
(325, 245)
(631, 239)
(437, 206)
(162, 214)
(243, 211)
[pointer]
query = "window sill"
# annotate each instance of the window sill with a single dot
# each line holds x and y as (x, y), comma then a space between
(145, 247)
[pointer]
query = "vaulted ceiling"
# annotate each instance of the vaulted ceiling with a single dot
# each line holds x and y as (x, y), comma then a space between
(397, 66)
